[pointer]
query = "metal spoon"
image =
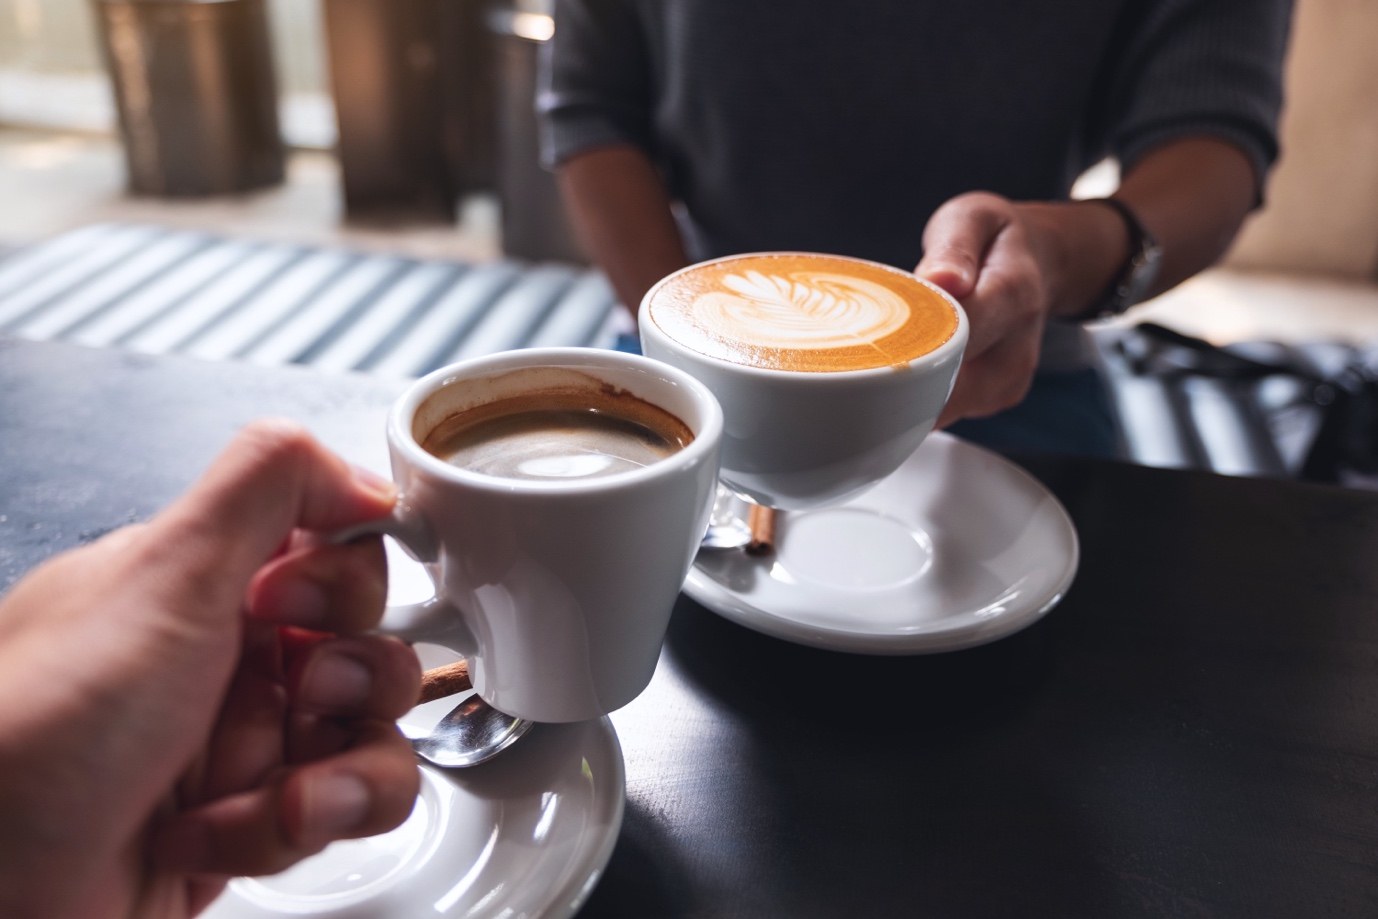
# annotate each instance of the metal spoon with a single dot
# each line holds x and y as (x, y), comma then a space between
(727, 529)
(474, 732)
(732, 533)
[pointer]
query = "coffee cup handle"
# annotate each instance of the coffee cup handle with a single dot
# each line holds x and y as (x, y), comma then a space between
(435, 619)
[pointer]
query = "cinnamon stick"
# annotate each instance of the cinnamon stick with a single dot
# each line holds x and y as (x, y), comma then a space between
(439, 682)
(761, 520)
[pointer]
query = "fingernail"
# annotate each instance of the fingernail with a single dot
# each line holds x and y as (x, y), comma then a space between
(334, 803)
(935, 272)
(304, 601)
(335, 681)
(960, 272)
(374, 482)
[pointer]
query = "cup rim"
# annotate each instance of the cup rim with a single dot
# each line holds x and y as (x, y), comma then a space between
(957, 342)
(400, 417)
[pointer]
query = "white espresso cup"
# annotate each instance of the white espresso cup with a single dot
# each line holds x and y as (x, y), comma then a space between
(558, 592)
(795, 439)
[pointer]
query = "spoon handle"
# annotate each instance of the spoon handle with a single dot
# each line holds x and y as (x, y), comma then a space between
(439, 682)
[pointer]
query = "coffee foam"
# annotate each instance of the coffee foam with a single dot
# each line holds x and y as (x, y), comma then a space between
(802, 312)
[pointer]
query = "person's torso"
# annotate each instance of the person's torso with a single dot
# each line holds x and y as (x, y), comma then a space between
(840, 126)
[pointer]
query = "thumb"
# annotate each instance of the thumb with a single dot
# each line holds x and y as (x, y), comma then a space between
(956, 240)
(272, 478)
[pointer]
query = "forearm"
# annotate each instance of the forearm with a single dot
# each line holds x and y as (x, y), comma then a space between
(1192, 195)
(621, 211)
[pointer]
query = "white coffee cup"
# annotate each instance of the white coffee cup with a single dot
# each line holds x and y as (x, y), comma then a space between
(558, 592)
(797, 439)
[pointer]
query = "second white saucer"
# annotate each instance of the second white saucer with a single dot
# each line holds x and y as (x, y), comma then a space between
(526, 834)
(957, 548)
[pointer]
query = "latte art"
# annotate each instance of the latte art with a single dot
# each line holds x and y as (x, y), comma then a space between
(807, 309)
(797, 311)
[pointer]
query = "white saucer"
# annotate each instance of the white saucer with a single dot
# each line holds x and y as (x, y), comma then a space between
(957, 548)
(526, 834)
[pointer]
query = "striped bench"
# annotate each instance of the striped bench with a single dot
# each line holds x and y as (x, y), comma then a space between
(165, 291)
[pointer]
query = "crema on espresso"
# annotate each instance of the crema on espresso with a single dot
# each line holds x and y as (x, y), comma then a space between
(804, 312)
(559, 434)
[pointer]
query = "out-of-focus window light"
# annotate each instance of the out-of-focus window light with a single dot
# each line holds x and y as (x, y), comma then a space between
(49, 68)
(51, 73)
(533, 26)
(1100, 181)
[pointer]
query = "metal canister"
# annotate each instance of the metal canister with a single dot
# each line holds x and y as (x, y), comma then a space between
(534, 223)
(412, 81)
(196, 92)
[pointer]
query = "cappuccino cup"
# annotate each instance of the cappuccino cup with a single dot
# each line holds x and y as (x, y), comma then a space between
(556, 497)
(830, 370)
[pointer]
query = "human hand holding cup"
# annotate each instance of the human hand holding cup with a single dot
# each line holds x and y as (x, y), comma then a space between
(554, 571)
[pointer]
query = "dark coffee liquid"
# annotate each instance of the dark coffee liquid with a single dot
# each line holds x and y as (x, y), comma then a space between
(559, 435)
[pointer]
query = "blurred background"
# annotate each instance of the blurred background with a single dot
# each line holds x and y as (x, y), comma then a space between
(354, 185)
(419, 80)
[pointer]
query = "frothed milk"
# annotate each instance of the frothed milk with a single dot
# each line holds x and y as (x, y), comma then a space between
(802, 312)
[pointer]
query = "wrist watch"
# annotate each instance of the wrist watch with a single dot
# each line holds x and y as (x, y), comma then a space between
(1138, 273)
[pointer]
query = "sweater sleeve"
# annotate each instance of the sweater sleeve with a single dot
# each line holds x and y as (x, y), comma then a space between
(595, 84)
(1196, 67)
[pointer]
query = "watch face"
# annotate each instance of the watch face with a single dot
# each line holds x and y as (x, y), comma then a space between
(1143, 271)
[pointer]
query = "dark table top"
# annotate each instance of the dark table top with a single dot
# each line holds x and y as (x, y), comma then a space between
(1193, 732)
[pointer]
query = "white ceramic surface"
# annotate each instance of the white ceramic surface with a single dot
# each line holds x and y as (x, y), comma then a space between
(957, 548)
(527, 834)
(799, 440)
(558, 592)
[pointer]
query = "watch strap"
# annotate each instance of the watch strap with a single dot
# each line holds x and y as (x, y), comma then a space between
(1139, 270)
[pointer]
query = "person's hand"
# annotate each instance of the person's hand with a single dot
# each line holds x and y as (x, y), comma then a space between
(191, 699)
(1012, 265)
